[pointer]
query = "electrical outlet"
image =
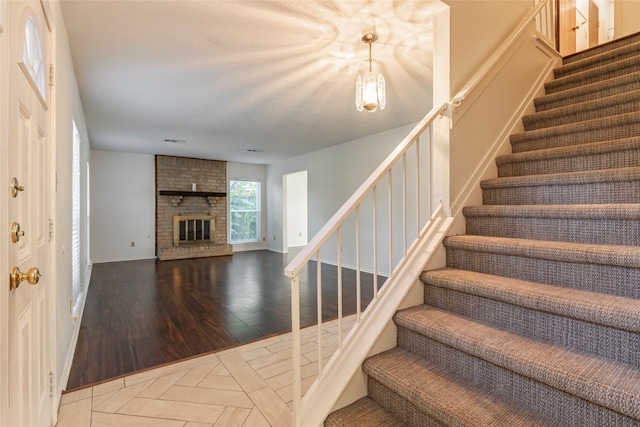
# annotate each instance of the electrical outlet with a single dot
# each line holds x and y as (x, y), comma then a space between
(133, 244)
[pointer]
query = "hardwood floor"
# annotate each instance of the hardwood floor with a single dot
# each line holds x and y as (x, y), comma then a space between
(142, 314)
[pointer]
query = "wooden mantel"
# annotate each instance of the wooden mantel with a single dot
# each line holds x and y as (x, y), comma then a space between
(191, 193)
(177, 195)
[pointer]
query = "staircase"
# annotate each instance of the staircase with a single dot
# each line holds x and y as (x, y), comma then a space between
(536, 319)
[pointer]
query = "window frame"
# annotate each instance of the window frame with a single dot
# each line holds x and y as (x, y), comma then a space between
(257, 211)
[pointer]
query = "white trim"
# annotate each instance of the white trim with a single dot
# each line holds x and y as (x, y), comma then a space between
(4, 215)
(104, 261)
(63, 377)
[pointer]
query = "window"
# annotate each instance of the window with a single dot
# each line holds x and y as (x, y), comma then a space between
(75, 223)
(32, 58)
(244, 211)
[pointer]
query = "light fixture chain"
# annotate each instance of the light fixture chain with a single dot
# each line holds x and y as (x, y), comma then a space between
(370, 69)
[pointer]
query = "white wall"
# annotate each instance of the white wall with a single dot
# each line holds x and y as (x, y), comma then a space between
(243, 171)
(333, 174)
(122, 206)
(67, 108)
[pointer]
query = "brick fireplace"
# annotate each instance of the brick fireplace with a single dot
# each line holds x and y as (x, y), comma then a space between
(191, 208)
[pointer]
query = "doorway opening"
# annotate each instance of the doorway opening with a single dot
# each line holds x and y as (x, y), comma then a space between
(583, 24)
(295, 210)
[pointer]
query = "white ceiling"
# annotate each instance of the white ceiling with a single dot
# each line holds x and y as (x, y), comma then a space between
(231, 76)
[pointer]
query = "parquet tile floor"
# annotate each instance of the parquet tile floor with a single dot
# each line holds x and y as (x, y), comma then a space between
(250, 385)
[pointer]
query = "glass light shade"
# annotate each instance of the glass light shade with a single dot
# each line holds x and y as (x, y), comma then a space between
(359, 93)
(370, 92)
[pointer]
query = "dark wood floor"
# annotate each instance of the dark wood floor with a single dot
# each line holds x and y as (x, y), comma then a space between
(142, 314)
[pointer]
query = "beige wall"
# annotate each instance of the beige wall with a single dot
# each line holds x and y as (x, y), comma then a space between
(626, 17)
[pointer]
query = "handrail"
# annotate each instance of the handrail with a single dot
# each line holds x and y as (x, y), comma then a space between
(498, 53)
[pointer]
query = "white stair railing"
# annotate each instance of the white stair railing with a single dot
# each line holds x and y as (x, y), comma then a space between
(408, 197)
(407, 181)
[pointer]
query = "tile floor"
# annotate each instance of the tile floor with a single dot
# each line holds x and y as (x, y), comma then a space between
(250, 386)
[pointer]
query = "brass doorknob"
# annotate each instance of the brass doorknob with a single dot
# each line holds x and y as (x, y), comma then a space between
(16, 233)
(15, 187)
(32, 276)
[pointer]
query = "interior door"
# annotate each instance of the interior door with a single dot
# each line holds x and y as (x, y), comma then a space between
(28, 202)
(594, 24)
(567, 26)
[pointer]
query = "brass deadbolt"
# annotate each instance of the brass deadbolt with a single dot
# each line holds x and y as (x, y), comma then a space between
(16, 233)
(15, 187)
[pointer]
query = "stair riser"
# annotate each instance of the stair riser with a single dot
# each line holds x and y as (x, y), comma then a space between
(609, 160)
(570, 82)
(603, 232)
(625, 52)
(534, 122)
(399, 407)
(605, 279)
(566, 98)
(565, 408)
(590, 193)
(610, 343)
(529, 142)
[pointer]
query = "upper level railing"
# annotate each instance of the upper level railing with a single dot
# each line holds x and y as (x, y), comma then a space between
(382, 236)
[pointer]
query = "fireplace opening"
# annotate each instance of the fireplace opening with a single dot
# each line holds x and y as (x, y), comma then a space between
(193, 229)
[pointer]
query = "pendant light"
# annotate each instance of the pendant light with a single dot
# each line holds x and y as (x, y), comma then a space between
(370, 91)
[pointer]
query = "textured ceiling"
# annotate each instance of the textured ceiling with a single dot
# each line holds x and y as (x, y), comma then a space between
(274, 76)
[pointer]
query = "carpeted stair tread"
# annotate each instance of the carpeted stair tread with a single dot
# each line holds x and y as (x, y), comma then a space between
(603, 47)
(625, 83)
(581, 253)
(564, 178)
(595, 130)
(626, 211)
(607, 310)
(363, 412)
(597, 59)
(595, 74)
(597, 380)
(627, 102)
(617, 153)
(442, 395)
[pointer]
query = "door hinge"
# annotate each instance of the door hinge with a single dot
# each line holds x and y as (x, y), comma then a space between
(51, 75)
(52, 383)
(51, 228)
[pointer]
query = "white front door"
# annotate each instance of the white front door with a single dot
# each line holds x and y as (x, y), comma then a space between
(28, 208)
